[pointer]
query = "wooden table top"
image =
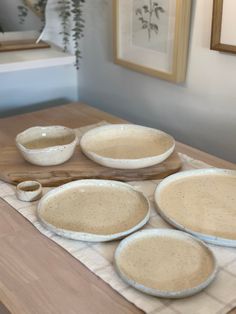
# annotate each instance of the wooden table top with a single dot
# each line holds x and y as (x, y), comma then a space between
(36, 275)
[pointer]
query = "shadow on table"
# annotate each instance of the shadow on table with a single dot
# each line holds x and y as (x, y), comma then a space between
(3, 309)
(34, 107)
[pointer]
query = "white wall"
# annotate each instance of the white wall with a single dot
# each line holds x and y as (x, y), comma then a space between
(10, 21)
(23, 90)
(200, 112)
(28, 89)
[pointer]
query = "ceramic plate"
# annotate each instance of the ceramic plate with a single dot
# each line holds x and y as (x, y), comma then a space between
(201, 202)
(94, 210)
(165, 263)
(127, 146)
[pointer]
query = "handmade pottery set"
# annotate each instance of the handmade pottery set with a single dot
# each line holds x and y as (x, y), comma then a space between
(161, 262)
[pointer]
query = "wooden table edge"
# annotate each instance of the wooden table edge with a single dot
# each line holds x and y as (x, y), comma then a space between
(105, 116)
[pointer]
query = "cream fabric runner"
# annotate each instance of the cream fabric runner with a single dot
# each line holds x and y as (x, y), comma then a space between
(219, 297)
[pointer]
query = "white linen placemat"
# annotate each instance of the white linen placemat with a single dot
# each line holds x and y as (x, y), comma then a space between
(219, 297)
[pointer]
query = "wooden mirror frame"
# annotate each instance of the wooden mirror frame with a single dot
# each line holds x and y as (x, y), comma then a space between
(216, 29)
(24, 44)
(31, 6)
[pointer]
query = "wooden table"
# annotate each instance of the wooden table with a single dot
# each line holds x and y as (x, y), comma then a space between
(36, 275)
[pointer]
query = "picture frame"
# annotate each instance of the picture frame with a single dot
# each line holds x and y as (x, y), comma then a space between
(221, 21)
(152, 36)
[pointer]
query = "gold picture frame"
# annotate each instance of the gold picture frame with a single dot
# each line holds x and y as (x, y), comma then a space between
(216, 29)
(31, 5)
(147, 59)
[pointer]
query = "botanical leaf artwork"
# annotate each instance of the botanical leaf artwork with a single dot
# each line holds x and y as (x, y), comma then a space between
(148, 15)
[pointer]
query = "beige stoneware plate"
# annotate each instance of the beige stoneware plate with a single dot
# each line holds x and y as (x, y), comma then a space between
(165, 263)
(201, 202)
(94, 210)
(127, 146)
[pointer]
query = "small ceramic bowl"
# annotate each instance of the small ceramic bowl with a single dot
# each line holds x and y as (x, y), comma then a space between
(47, 146)
(29, 191)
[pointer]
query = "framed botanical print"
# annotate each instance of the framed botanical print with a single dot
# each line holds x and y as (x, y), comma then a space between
(151, 36)
(223, 34)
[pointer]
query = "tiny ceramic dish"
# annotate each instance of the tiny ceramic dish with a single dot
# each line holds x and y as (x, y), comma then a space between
(29, 191)
(127, 146)
(47, 146)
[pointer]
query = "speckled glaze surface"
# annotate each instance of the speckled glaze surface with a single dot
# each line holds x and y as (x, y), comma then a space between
(29, 191)
(94, 210)
(201, 202)
(47, 146)
(165, 263)
(127, 146)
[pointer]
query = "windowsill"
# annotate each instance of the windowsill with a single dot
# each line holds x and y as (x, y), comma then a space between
(33, 59)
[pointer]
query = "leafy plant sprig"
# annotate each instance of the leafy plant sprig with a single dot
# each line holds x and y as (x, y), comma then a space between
(67, 9)
(23, 12)
(1, 29)
(40, 7)
(145, 15)
(77, 31)
(65, 14)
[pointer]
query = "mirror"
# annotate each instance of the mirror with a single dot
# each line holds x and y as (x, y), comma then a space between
(21, 23)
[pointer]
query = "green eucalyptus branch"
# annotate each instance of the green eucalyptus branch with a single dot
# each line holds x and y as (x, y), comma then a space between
(67, 9)
(77, 31)
(1, 29)
(41, 6)
(65, 14)
(145, 15)
(23, 12)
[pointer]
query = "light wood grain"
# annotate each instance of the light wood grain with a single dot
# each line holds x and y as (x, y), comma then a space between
(36, 275)
(216, 27)
(76, 115)
(3, 309)
(34, 8)
(233, 311)
(14, 169)
(16, 45)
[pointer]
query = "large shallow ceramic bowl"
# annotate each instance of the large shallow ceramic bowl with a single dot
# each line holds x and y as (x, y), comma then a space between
(47, 146)
(165, 263)
(201, 202)
(94, 210)
(127, 146)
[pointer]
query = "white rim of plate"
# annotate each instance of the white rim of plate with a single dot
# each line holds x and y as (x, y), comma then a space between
(162, 293)
(119, 162)
(190, 173)
(90, 237)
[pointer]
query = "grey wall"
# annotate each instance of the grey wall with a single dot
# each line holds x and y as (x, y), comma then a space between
(22, 89)
(35, 88)
(201, 112)
(9, 19)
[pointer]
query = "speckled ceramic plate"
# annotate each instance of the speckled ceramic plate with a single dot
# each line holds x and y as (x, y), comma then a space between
(165, 263)
(201, 202)
(127, 146)
(93, 210)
